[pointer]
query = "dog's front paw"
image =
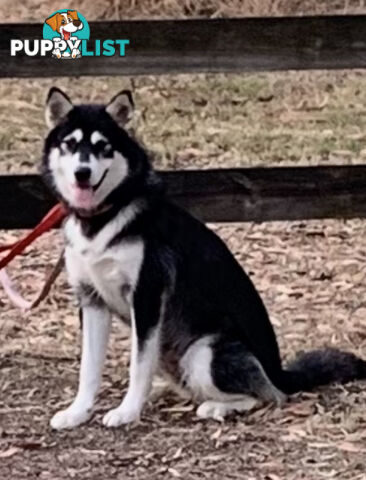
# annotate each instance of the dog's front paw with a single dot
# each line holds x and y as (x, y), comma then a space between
(69, 418)
(120, 416)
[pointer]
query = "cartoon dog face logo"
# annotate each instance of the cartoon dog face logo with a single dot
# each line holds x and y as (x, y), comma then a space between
(64, 25)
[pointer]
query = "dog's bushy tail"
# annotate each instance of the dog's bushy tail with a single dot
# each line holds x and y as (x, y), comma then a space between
(321, 367)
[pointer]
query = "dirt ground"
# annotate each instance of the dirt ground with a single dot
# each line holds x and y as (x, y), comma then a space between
(312, 275)
(312, 278)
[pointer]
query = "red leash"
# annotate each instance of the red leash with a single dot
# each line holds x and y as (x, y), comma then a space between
(52, 219)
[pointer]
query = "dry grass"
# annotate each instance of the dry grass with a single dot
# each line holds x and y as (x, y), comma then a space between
(311, 274)
(34, 10)
(209, 120)
(205, 120)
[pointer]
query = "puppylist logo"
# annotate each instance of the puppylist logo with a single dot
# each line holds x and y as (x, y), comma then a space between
(66, 34)
(66, 29)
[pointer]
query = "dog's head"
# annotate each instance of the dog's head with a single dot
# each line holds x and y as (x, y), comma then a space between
(65, 23)
(89, 158)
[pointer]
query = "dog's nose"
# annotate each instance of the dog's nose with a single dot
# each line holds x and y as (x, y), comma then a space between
(83, 174)
(77, 23)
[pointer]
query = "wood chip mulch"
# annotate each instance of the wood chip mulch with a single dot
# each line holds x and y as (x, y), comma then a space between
(312, 278)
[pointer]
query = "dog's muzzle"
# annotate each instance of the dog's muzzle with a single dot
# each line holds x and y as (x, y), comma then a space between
(76, 23)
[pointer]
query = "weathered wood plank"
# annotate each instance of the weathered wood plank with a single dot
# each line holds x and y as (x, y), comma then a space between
(253, 194)
(212, 45)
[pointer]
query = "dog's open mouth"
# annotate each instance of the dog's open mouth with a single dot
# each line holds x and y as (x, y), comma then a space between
(83, 194)
(66, 34)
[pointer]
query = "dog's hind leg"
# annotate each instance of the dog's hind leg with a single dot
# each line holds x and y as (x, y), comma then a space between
(95, 332)
(227, 377)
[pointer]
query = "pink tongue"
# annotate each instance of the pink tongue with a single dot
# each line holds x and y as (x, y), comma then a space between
(84, 197)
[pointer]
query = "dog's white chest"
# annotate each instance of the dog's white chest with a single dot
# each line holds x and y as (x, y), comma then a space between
(113, 272)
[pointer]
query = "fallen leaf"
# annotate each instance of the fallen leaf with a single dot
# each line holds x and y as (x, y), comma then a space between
(349, 447)
(10, 452)
(174, 472)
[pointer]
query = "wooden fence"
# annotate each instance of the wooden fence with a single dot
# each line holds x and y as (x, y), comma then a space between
(219, 45)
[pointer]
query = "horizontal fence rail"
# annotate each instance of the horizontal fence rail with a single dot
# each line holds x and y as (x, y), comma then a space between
(223, 195)
(212, 45)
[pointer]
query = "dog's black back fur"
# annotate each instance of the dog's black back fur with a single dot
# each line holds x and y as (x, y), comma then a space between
(213, 295)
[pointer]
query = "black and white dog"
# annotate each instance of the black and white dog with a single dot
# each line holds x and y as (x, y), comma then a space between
(195, 316)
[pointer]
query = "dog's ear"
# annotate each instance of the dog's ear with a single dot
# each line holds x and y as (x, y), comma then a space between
(121, 107)
(54, 22)
(73, 14)
(58, 105)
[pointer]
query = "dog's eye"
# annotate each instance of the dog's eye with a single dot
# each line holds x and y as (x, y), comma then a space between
(70, 19)
(70, 144)
(63, 21)
(103, 148)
